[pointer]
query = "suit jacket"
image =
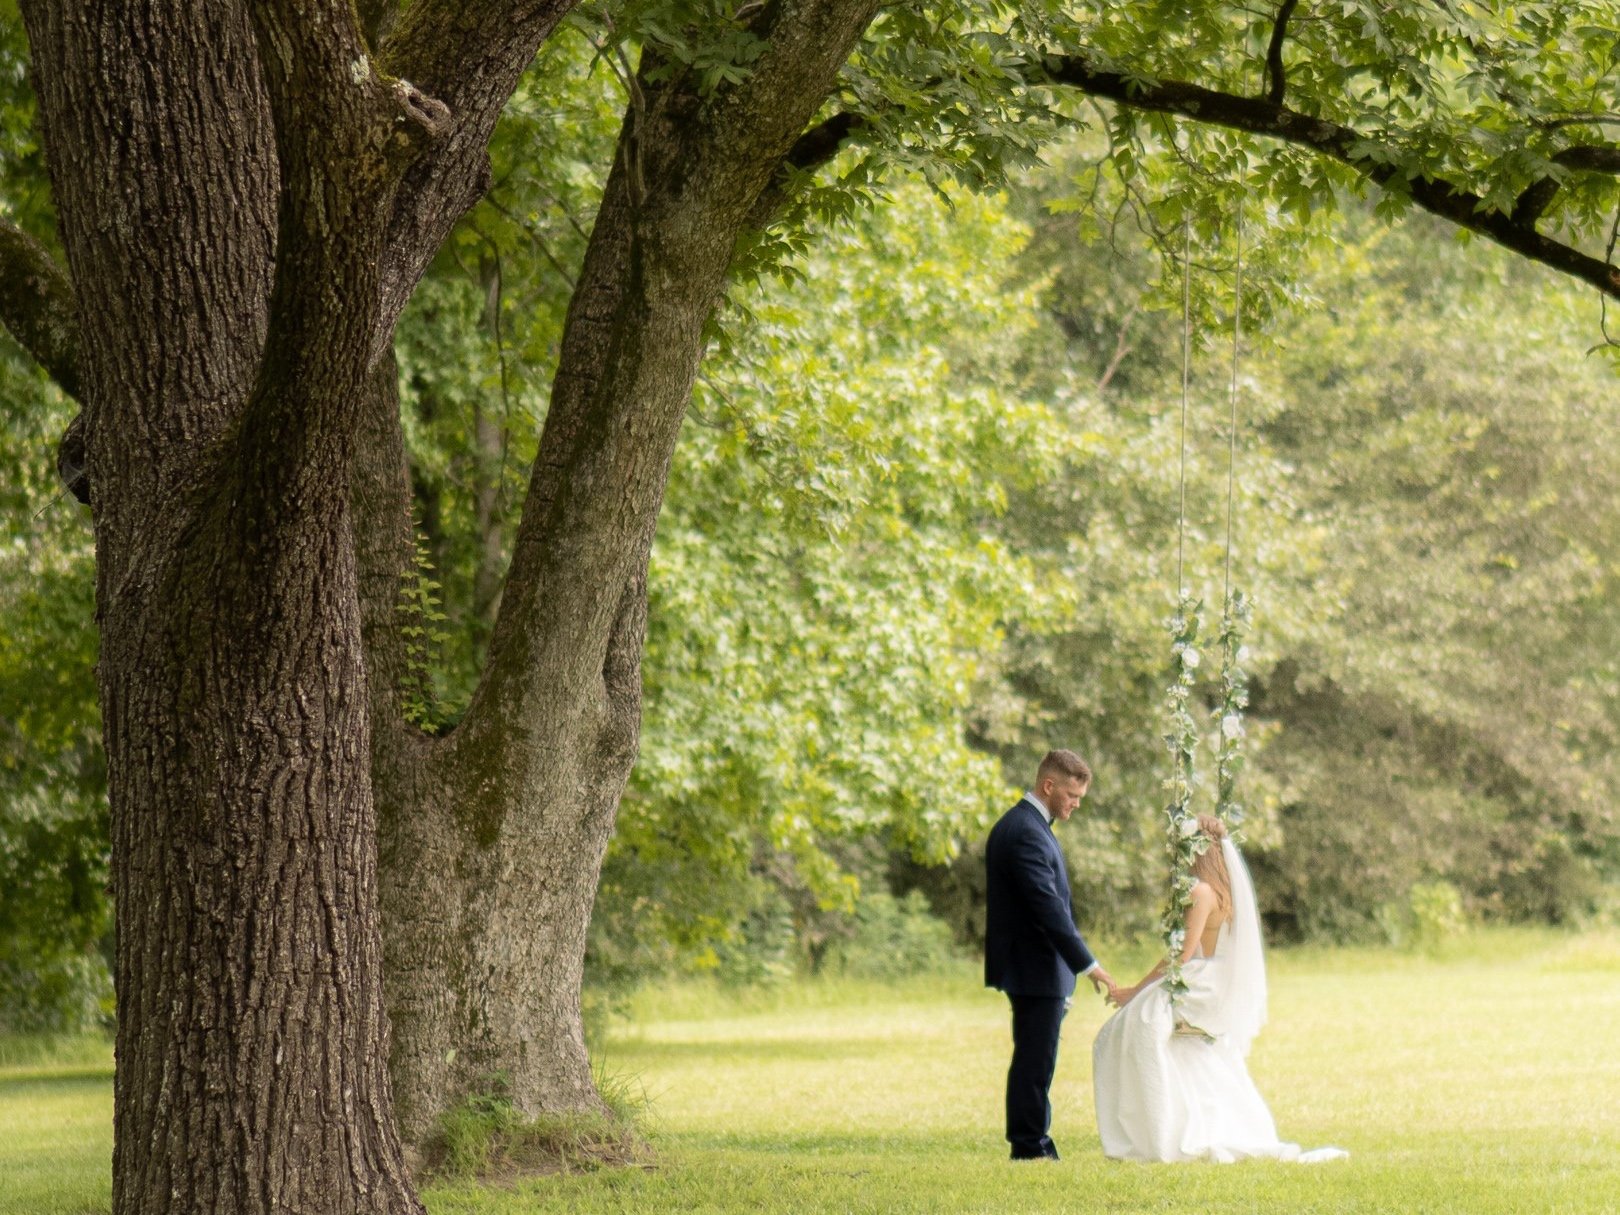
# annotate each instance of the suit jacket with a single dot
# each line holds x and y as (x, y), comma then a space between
(1031, 946)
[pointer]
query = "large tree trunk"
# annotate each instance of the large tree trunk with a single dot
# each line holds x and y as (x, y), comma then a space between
(251, 1030)
(490, 863)
(492, 838)
(252, 1040)
(483, 931)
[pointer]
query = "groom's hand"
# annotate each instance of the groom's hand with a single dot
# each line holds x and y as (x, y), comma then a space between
(1101, 981)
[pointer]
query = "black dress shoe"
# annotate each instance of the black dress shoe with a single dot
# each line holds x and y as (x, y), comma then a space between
(1049, 1154)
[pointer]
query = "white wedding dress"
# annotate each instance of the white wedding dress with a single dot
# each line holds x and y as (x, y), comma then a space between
(1170, 1097)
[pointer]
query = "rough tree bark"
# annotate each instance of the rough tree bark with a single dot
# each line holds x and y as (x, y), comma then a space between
(241, 198)
(492, 837)
(216, 365)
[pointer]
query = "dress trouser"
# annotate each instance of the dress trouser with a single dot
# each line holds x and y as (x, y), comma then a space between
(1035, 1024)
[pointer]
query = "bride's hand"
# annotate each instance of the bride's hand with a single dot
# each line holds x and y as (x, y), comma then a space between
(1121, 996)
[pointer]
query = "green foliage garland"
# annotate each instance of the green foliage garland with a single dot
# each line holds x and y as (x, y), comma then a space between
(1228, 714)
(1185, 842)
(1181, 822)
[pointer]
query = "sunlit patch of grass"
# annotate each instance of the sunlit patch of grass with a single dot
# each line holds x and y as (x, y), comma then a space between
(1466, 1081)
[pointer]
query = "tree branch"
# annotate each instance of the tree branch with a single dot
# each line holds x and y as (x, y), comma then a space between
(470, 55)
(36, 305)
(1277, 82)
(1554, 122)
(345, 136)
(1122, 348)
(1261, 116)
(1593, 158)
(821, 142)
(1535, 198)
(810, 151)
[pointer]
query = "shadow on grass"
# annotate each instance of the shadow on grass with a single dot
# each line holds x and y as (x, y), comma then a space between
(821, 1049)
(30, 1081)
(883, 1145)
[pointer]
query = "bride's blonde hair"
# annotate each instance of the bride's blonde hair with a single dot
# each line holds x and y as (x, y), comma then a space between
(1210, 864)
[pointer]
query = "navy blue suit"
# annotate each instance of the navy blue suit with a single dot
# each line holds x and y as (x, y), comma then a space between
(1032, 951)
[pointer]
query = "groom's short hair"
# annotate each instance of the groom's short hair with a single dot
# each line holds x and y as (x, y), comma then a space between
(1065, 763)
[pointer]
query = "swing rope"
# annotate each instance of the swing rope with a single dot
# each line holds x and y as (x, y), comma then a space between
(1231, 437)
(1183, 835)
(1234, 607)
(1186, 379)
(1182, 738)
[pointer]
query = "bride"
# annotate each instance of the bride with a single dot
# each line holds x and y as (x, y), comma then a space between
(1171, 1083)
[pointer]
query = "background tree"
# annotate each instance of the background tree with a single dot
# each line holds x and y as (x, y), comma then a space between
(1462, 460)
(1420, 523)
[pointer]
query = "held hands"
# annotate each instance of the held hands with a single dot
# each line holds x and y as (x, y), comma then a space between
(1119, 997)
(1103, 982)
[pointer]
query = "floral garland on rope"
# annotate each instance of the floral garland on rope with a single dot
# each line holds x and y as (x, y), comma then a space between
(1181, 823)
(1182, 833)
(1229, 713)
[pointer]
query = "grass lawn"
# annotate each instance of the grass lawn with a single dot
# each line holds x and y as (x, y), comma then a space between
(1486, 1080)
(55, 1127)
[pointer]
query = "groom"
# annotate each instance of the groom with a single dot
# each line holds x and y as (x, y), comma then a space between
(1032, 950)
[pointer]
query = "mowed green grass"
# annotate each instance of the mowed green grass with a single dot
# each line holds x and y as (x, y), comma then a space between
(1486, 1080)
(55, 1127)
